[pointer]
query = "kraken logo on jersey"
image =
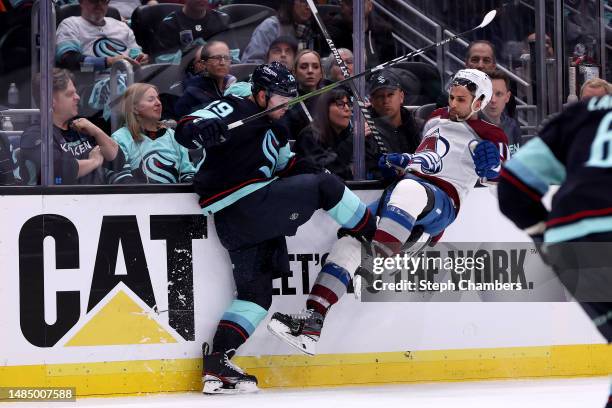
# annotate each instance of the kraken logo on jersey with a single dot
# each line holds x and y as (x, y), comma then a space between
(107, 47)
(269, 147)
(159, 168)
(430, 152)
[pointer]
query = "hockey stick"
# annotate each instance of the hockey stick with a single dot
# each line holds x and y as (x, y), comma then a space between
(345, 73)
(485, 21)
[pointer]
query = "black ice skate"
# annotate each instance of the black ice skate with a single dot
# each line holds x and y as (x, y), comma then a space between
(301, 330)
(221, 376)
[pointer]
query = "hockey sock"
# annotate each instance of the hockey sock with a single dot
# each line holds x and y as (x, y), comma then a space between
(351, 213)
(330, 285)
(393, 230)
(237, 323)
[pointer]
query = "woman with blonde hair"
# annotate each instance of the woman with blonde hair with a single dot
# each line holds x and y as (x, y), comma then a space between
(151, 152)
(309, 76)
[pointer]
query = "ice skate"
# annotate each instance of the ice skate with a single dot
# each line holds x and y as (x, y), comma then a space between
(221, 376)
(301, 331)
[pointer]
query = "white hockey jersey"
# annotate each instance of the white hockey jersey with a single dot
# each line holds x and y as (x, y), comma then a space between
(78, 34)
(444, 158)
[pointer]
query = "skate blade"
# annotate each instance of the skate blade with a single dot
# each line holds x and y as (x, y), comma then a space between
(302, 343)
(215, 386)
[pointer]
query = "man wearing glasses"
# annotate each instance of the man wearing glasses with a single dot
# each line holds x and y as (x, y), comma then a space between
(211, 83)
(95, 40)
(194, 22)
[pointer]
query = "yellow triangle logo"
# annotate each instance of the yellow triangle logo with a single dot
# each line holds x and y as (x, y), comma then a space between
(121, 321)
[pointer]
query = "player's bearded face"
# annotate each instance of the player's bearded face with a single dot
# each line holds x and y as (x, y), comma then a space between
(274, 101)
(460, 103)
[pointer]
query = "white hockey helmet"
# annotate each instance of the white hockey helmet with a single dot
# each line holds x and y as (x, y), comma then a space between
(475, 81)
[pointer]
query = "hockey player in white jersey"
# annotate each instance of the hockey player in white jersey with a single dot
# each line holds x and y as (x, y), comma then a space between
(456, 151)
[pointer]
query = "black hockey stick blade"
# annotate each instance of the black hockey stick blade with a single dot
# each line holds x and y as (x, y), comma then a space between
(486, 21)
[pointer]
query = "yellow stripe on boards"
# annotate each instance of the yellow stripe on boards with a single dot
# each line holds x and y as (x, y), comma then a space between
(151, 376)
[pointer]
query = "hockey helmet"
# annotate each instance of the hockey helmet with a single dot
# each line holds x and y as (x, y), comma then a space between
(475, 81)
(274, 78)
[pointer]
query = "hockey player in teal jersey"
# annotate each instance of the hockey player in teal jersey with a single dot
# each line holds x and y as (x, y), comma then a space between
(259, 192)
(152, 155)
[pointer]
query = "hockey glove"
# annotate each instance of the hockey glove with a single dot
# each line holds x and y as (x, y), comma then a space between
(209, 132)
(486, 159)
(394, 164)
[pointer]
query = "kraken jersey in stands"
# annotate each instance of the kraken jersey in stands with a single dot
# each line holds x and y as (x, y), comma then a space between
(247, 161)
(157, 158)
(575, 151)
(445, 150)
(79, 35)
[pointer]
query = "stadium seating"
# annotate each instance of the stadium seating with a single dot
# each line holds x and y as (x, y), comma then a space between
(429, 81)
(423, 112)
(144, 22)
(242, 71)
(328, 11)
(243, 19)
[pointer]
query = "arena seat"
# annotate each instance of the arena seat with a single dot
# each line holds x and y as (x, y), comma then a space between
(423, 112)
(429, 80)
(146, 19)
(273, 4)
(73, 10)
(243, 19)
(242, 72)
(328, 11)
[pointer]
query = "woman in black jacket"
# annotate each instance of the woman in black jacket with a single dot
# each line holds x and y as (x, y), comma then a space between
(328, 141)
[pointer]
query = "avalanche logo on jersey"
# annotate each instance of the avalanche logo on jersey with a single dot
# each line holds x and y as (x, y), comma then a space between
(430, 152)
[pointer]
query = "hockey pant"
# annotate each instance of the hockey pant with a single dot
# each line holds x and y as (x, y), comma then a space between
(411, 202)
(253, 231)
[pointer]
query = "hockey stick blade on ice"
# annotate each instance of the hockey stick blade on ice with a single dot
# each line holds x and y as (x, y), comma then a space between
(485, 22)
(345, 73)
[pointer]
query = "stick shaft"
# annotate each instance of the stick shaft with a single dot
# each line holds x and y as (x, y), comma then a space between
(334, 85)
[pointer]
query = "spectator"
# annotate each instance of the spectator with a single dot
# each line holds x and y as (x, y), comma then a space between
(81, 150)
(309, 76)
(196, 64)
(152, 154)
(294, 19)
(332, 70)
(96, 40)
(283, 50)
(595, 87)
(480, 55)
(495, 110)
(396, 125)
(328, 141)
(194, 22)
(378, 39)
(530, 43)
(209, 84)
